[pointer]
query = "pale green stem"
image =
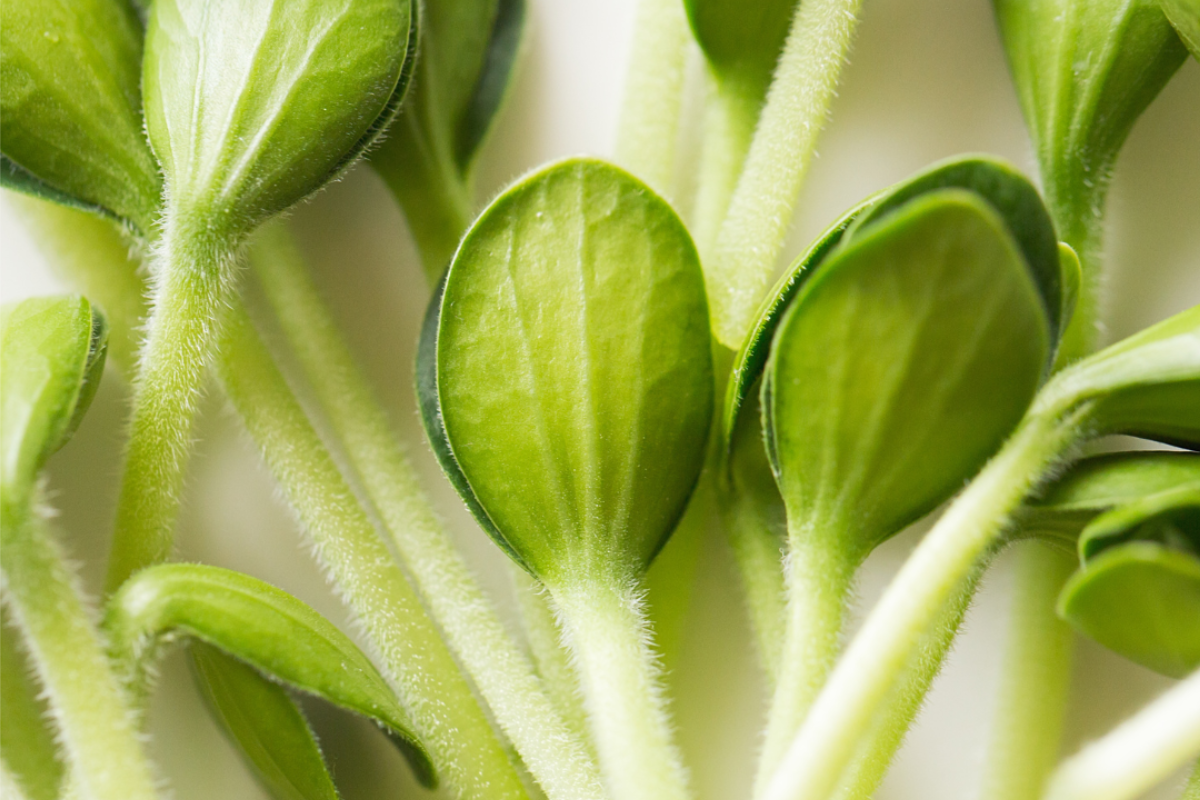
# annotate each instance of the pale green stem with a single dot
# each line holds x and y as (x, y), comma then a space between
(753, 233)
(879, 746)
(1139, 753)
(194, 282)
(649, 125)
(1192, 790)
(758, 552)
(26, 740)
(448, 719)
(730, 115)
(97, 729)
(550, 656)
(819, 572)
(1035, 680)
(605, 627)
(945, 561)
(503, 675)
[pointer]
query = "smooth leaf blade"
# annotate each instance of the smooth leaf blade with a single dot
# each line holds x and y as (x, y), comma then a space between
(52, 353)
(574, 367)
(926, 334)
(1185, 17)
(70, 104)
(262, 626)
(266, 726)
(251, 107)
(741, 40)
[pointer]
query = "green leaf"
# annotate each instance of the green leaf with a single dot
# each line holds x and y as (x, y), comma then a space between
(52, 353)
(18, 179)
(997, 183)
(1085, 70)
(251, 107)
(1147, 385)
(1185, 17)
(1138, 592)
(923, 335)
(574, 369)
(468, 51)
(265, 724)
(262, 626)
(70, 105)
(741, 40)
(1099, 484)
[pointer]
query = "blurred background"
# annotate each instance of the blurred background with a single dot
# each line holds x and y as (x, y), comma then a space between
(927, 79)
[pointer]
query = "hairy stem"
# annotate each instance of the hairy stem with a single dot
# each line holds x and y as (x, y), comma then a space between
(466, 751)
(649, 125)
(819, 572)
(504, 676)
(754, 229)
(1138, 753)
(1035, 681)
(30, 755)
(97, 729)
(942, 564)
(194, 283)
(758, 552)
(605, 627)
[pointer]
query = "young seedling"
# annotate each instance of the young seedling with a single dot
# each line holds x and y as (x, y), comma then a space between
(566, 381)
(51, 357)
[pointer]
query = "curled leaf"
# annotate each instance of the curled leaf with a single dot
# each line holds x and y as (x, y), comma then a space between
(573, 369)
(52, 354)
(259, 625)
(70, 107)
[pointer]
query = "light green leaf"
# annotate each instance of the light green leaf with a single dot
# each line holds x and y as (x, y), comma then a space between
(52, 353)
(468, 51)
(1138, 592)
(574, 369)
(253, 106)
(924, 335)
(1146, 385)
(260, 625)
(1185, 17)
(741, 40)
(70, 105)
(265, 724)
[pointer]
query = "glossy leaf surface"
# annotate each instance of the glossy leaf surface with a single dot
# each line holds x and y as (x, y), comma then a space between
(1185, 17)
(52, 352)
(1138, 592)
(260, 625)
(1146, 385)
(741, 40)
(252, 106)
(926, 334)
(70, 105)
(574, 369)
(265, 724)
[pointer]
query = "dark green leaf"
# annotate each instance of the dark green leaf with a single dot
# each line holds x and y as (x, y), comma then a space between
(1170, 518)
(574, 368)
(265, 724)
(741, 40)
(16, 178)
(1185, 17)
(290, 93)
(260, 625)
(925, 334)
(70, 105)
(52, 353)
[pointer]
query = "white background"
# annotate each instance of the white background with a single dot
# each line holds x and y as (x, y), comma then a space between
(927, 80)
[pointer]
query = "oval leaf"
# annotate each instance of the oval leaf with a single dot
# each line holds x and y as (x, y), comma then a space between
(574, 368)
(251, 107)
(924, 335)
(1141, 600)
(266, 726)
(52, 353)
(741, 40)
(1185, 17)
(262, 626)
(70, 106)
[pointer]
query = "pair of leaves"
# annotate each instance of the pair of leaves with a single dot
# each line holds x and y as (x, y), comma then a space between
(249, 107)
(565, 372)
(52, 353)
(278, 637)
(921, 322)
(468, 52)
